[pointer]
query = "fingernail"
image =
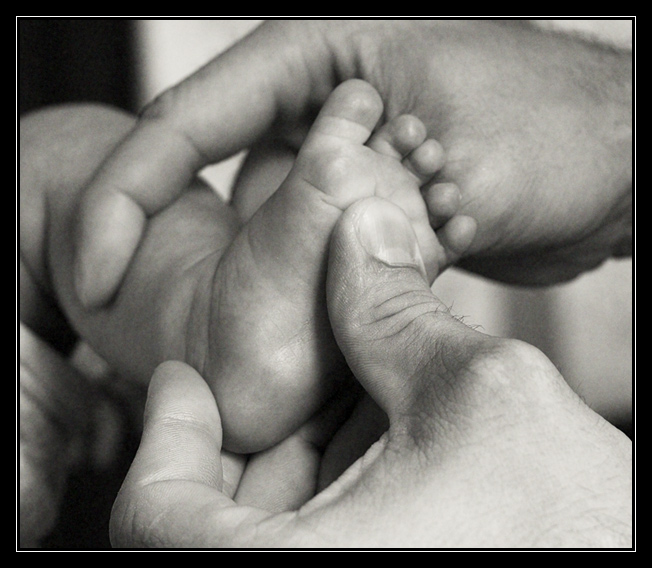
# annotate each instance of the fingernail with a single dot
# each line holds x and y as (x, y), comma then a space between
(386, 234)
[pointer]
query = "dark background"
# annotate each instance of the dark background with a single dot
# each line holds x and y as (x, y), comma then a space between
(62, 60)
(68, 60)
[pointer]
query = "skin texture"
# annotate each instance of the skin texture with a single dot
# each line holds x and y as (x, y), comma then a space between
(535, 126)
(487, 446)
(270, 357)
(488, 173)
(243, 303)
(61, 410)
(54, 415)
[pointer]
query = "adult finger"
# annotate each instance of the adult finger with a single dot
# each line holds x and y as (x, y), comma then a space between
(177, 472)
(173, 495)
(56, 406)
(395, 334)
(216, 112)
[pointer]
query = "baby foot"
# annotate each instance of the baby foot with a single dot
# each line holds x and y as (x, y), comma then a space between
(272, 360)
(404, 138)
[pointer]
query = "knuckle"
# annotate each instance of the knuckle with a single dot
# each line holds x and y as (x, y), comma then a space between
(407, 315)
(512, 365)
(162, 107)
(519, 354)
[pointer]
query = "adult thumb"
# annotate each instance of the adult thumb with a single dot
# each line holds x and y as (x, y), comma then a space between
(395, 333)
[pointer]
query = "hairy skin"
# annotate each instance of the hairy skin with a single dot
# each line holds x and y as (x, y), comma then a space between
(537, 125)
(607, 149)
(243, 303)
(487, 446)
(527, 138)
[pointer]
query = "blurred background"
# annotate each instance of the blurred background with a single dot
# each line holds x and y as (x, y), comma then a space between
(585, 326)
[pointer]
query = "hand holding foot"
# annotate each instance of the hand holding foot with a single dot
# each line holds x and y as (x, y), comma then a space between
(271, 348)
(537, 127)
(245, 304)
(487, 446)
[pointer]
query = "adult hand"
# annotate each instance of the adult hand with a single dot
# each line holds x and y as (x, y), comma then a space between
(69, 424)
(57, 407)
(537, 126)
(487, 446)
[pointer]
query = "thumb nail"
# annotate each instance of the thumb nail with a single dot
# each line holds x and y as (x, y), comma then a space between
(385, 232)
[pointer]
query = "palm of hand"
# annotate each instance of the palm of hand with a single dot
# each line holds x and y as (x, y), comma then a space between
(531, 150)
(543, 160)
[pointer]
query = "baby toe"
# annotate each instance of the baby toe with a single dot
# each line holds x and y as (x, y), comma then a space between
(456, 236)
(425, 160)
(443, 202)
(398, 137)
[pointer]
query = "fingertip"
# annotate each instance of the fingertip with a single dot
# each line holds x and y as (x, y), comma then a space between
(386, 234)
(110, 230)
(91, 295)
(177, 467)
(378, 299)
(177, 386)
(182, 431)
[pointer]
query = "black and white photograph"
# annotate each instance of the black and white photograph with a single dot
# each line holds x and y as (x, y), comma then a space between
(325, 284)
